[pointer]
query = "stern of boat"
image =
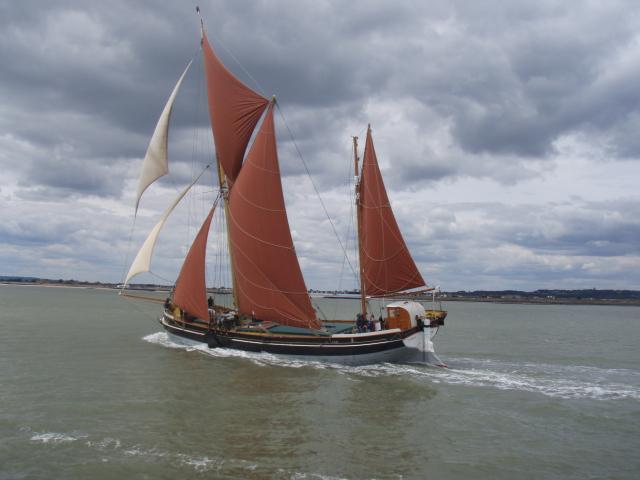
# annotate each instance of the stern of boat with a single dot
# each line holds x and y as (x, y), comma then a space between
(411, 316)
(420, 347)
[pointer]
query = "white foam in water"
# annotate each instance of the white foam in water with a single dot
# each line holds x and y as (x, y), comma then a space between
(106, 443)
(261, 359)
(162, 338)
(115, 448)
(571, 382)
(313, 476)
(203, 464)
(562, 381)
(54, 437)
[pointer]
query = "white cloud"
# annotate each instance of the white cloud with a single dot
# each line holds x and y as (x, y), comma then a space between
(506, 134)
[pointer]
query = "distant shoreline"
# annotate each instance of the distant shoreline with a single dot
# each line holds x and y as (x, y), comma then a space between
(559, 301)
(495, 297)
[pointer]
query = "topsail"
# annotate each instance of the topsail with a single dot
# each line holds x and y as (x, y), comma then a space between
(234, 110)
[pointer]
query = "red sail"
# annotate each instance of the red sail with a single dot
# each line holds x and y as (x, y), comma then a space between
(387, 265)
(234, 110)
(191, 292)
(268, 277)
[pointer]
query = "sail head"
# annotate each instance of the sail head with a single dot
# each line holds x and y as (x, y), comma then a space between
(234, 111)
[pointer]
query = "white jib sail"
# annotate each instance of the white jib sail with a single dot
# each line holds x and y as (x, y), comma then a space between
(142, 262)
(155, 163)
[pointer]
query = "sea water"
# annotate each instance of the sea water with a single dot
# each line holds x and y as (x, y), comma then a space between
(90, 387)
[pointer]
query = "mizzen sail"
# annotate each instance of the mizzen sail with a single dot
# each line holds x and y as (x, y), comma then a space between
(155, 163)
(234, 110)
(191, 291)
(387, 265)
(268, 277)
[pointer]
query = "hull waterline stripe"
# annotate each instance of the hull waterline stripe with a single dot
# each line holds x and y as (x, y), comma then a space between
(325, 345)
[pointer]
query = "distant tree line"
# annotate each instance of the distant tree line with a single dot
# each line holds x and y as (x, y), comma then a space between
(559, 294)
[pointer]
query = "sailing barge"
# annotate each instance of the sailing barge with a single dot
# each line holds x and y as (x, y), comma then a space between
(272, 309)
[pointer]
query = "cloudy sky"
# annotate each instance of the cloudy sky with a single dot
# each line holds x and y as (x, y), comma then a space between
(508, 132)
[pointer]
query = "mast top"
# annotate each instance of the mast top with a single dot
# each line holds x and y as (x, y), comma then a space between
(201, 24)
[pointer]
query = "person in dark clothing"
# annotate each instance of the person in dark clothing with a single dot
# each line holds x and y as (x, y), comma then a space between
(167, 304)
(210, 301)
(360, 322)
(381, 320)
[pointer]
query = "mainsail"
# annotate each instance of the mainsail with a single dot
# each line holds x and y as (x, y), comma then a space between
(191, 292)
(387, 265)
(155, 163)
(268, 276)
(234, 110)
(142, 262)
(268, 282)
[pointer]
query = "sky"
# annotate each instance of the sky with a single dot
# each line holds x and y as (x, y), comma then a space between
(507, 134)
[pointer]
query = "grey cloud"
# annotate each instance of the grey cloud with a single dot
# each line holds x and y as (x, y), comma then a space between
(453, 90)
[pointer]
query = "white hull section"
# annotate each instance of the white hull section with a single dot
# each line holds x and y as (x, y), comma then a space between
(420, 348)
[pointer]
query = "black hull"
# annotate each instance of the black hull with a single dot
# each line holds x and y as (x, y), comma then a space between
(352, 350)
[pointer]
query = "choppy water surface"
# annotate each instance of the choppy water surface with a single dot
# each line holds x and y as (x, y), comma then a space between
(91, 388)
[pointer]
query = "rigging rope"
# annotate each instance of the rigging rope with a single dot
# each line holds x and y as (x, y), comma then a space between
(306, 168)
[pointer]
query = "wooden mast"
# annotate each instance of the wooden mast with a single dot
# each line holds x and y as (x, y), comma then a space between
(224, 189)
(363, 302)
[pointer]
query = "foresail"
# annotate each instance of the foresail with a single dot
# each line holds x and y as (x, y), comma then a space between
(387, 265)
(234, 110)
(268, 278)
(142, 262)
(191, 291)
(155, 163)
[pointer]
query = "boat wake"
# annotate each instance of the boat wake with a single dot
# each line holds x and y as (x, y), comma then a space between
(114, 450)
(55, 437)
(560, 381)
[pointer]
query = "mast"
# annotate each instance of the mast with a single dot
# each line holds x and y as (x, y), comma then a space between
(363, 303)
(267, 279)
(224, 189)
(238, 110)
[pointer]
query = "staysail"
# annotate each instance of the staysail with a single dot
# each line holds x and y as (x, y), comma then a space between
(268, 276)
(142, 262)
(234, 110)
(155, 163)
(387, 265)
(190, 293)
